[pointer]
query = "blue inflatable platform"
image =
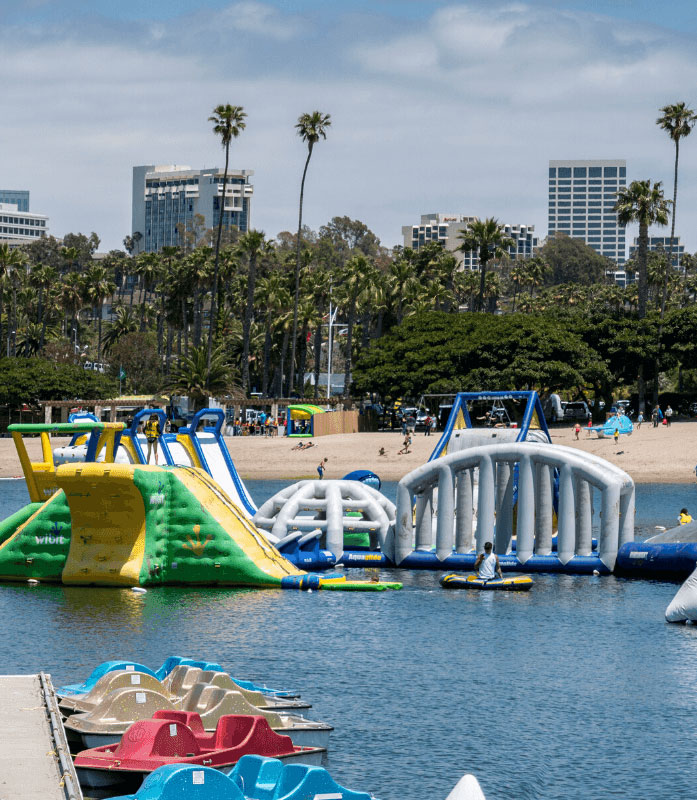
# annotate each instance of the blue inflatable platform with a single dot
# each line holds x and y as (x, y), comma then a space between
(579, 565)
(673, 560)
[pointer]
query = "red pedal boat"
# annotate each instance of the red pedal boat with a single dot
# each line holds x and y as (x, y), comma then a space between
(178, 737)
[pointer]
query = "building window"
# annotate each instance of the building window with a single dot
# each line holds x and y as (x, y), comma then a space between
(552, 172)
(564, 172)
(610, 172)
(579, 172)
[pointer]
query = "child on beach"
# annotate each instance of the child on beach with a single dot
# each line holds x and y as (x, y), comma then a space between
(321, 467)
(616, 435)
(405, 447)
(577, 430)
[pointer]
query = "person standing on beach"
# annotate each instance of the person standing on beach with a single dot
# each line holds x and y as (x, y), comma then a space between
(669, 414)
(639, 420)
(321, 468)
(427, 426)
(577, 430)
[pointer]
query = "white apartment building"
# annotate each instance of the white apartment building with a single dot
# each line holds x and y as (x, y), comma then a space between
(582, 196)
(446, 228)
(20, 227)
(169, 197)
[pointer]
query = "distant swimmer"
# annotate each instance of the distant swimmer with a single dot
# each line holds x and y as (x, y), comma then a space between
(684, 517)
(488, 564)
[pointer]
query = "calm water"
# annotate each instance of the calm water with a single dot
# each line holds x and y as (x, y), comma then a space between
(576, 690)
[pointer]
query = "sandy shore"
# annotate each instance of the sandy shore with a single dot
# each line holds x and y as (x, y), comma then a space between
(649, 455)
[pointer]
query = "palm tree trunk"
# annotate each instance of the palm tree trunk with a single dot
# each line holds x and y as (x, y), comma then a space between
(482, 279)
(212, 325)
(247, 322)
(14, 320)
(99, 336)
(303, 359)
(669, 265)
(297, 267)
(284, 348)
(168, 353)
(642, 255)
(267, 358)
(318, 356)
(349, 343)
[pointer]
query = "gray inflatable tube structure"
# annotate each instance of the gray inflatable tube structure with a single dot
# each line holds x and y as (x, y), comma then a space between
(312, 504)
(536, 465)
(683, 606)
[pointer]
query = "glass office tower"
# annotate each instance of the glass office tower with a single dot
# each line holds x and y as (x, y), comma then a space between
(582, 195)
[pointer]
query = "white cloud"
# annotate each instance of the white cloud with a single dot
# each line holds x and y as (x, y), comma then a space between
(459, 113)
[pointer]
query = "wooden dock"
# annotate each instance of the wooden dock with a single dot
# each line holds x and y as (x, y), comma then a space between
(35, 762)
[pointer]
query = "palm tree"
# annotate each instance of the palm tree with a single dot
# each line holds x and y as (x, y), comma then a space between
(643, 203)
(678, 121)
(10, 259)
(193, 378)
(402, 282)
(228, 123)
(72, 300)
(489, 240)
(149, 267)
(310, 127)
(252, 243)
(274, 297)
(124, 322)
(352, 283)
(17, 273)
(99, 287)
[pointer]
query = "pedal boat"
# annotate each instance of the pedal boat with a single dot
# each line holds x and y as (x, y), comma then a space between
(107, 722)
(252, 776)
(73, 689)
(149, 744)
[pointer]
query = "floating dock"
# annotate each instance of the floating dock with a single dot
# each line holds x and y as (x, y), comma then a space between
(35, 762)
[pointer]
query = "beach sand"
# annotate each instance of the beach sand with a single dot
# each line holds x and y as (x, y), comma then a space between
(649, 455)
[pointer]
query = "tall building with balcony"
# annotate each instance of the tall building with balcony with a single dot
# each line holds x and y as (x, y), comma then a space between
(167, 199)
(16, 197)
(662, 243)
(447, 228)
(20, 227)
(582, 196)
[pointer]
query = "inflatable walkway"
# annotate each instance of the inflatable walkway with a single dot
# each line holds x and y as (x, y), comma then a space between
(112, 524)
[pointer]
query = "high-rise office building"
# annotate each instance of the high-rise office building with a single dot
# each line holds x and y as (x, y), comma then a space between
(167, 199)
(20, 227)
(662, 243)
(582, 196)
(446, 228)
(17, 197)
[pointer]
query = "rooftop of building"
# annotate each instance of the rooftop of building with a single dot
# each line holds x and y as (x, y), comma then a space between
(13, 208)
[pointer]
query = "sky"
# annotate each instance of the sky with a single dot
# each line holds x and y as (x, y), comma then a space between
(436, 106)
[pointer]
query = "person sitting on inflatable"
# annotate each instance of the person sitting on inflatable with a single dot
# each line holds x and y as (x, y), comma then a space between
(684, 517)
(488, 564)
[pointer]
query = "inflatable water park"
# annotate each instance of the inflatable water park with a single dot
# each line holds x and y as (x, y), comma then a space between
(100, 515)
